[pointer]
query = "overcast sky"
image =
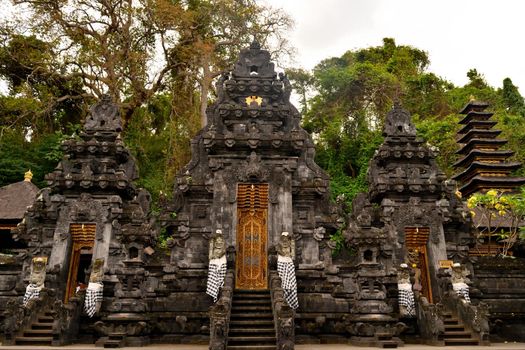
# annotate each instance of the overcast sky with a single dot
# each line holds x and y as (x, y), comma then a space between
(457, 34)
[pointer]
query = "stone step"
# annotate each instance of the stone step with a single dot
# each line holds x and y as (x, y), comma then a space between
(33, 340)
(252, 323)
(454, 327)
(259, 331)
(252, 347)
(252, 340)
(457, 334)
(251, 302)
(383, 336)
(451, 321)
(44, 319)
(42, 325)
(256, 315)
(116, 336)
(388, 344)
(466, 341)
(38, 332)
(265, 296)
(113, 344)
(244, 308)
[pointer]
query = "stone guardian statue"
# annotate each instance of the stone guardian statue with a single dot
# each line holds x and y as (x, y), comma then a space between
(286, 269)
(458, 278)
(37, 278)
(406, 295)
(217, 265)
(95, 289)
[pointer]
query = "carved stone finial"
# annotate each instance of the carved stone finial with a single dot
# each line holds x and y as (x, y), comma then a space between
(255, 45)
(28, 176)
(398, 122)
(254, 62)
(103, 116)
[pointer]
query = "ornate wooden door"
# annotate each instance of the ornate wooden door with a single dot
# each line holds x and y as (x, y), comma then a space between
(252, 237)
(83, 238)
(416, 242)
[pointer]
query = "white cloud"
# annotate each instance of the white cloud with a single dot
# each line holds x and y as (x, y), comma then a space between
(458, 35)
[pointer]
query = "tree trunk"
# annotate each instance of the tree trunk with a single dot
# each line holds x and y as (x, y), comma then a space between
(205, 88)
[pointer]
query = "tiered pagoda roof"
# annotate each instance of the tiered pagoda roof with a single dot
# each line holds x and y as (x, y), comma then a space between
(484, 165)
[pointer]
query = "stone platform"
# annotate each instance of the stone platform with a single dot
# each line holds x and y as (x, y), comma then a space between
(495, 346)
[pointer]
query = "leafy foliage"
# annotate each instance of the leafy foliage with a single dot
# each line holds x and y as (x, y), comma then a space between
(354, 92)
(157, 58)
(17, 155)
(501, 216)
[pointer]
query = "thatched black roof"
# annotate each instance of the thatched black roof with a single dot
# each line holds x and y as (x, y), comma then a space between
(15, 198)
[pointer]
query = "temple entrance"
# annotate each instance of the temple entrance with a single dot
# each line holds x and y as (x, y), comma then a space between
(416, 239)
(83, 238)
(252, 236)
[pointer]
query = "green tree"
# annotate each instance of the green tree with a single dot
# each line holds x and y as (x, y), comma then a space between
(476, 79)
(302, 82)
(157, 57)
(501, 217)
(511, 98)
(353, 94)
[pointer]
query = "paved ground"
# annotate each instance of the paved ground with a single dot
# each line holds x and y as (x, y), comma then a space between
(496, 346)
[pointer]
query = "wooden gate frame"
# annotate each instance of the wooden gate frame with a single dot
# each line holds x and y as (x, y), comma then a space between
(416, 239)
(82, 236)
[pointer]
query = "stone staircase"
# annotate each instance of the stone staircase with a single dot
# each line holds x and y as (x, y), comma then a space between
(251, 321)
(40, 332)
(455, 333)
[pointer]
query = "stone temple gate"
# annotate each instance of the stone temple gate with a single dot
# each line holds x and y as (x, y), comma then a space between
(249, 263)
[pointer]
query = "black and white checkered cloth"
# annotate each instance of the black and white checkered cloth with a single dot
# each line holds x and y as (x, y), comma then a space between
(94, 295)
(32, 291)
(406, 299)
(462, 291)
(216, 275)
(286, 271)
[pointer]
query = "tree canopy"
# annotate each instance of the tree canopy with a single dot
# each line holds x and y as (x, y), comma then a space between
(353, 93)
(159, 58)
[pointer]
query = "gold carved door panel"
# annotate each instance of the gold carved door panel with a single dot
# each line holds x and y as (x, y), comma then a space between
(252, 237)
(416, 243)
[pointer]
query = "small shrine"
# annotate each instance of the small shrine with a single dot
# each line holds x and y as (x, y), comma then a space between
(407, 231)
(14, 200)
(87, 236)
